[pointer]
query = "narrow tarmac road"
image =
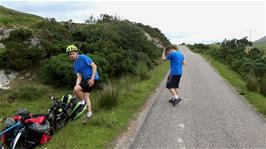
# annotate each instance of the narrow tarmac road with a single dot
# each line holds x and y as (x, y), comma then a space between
(211, 114)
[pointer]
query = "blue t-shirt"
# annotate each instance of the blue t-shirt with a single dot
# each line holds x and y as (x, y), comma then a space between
(82, 65)
(176, 62)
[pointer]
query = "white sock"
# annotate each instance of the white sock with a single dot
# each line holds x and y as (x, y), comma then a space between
(176, 97)
(89, 114)
(82, 102)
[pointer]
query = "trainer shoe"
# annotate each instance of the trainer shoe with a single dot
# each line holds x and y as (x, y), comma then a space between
(175, 101)
(171, 100)
(179, 99)
(86, 118)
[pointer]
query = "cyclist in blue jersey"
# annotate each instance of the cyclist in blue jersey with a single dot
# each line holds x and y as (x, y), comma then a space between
(87, 76)
(177, 61)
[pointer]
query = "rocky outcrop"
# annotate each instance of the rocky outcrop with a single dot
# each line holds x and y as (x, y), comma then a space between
(4, 32)
(2, 46)
(34, 41)
(155, 41)
(6, 77)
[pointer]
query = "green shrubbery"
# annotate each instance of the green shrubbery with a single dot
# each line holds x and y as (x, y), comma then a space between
(108, 97)
(141, 70)
(252, 82)
(19, 54)
(116, 46)
(52, 30)
(58, 71)
(249, 63)
(20, 35)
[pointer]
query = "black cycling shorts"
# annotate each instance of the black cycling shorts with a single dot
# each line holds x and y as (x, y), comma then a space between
(173, 81)
(84, 84)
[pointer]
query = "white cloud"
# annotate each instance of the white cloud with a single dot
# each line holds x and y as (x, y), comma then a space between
(208, 21)
(181, 21)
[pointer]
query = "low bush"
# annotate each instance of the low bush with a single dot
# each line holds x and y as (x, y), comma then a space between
(141, 71)
(58, 71)
(20, 35)
(109, 97)
(20, 57)
(252, 83)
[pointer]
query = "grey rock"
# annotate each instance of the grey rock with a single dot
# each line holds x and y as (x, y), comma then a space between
(5, 32)
(2, 46)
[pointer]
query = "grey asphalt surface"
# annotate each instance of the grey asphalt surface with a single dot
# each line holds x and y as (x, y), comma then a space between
(211, 115)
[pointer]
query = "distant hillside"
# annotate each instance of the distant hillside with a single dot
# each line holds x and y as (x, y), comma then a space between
(263, 39)
(9, 17)
(260, 43)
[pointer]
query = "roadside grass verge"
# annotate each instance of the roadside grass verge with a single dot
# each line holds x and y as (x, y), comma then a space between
(255, 99)
(38, 102)
(106, 123)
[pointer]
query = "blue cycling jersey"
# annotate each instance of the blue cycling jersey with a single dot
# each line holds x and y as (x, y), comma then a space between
(176, 59)
(82, 65)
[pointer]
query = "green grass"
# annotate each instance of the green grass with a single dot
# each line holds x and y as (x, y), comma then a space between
(255, 99)
(13, 18)
(39, 105)
(105, 125)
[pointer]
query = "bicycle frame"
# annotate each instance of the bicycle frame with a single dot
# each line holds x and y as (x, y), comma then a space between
(8, 129)
(20, 128)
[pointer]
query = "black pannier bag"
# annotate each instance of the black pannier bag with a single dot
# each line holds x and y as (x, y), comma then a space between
(38, 131)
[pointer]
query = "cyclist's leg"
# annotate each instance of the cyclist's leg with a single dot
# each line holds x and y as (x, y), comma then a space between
(172, 91)
(86, 97)
(176, 91)
(78, 92)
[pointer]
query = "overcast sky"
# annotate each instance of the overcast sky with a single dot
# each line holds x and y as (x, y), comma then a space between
(181, 21)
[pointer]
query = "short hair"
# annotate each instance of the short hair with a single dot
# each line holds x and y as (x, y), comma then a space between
(167, 49)
(172, 47)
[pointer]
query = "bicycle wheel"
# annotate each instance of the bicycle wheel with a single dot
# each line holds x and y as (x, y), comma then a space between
(17, 142)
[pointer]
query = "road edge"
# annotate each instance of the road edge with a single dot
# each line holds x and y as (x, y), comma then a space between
(235, 90)
(126, 139)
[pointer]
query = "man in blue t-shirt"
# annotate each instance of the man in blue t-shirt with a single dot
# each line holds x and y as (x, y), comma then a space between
(86, 72)
(177, 61)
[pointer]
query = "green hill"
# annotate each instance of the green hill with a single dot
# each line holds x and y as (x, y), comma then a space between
(9, 17)
(260, 44)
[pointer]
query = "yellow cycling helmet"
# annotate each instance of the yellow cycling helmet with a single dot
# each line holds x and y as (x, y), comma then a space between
(71, 48)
